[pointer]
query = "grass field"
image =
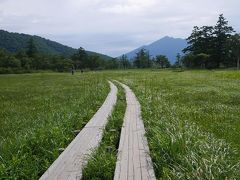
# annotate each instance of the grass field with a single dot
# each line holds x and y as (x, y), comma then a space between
(102, 162)
(192, 120)
(38, 114)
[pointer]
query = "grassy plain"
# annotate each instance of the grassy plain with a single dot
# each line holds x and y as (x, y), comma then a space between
(38, 114)
(102, 162)
(192, 120)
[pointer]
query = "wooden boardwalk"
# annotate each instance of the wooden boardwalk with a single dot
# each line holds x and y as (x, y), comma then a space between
(70, 163)
(134, 162)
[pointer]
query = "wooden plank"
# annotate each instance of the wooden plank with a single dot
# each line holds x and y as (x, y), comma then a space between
(71, 161)
(136, 157)
(133, 160)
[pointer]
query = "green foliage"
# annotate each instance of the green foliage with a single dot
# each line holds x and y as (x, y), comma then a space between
(36, 53)
(162, 61)
(178, 60)
(29, 61)
(142, 59)
(102, 162)
(30, 53)
(196, 61)
(201, 40)
(124, 62)
(192, 121)
(80, 59)
(234, 46)
(211, 41)
(94, 62)
(39, 113)
(31, 48)
(222, 33)
(112, 64)
(22, 63)
(14, 42)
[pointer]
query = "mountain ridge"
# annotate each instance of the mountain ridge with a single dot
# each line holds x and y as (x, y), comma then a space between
(168, 46)
(13, 42)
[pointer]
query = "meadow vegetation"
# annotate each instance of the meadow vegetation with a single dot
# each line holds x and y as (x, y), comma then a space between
(192, 121)
(38, 116)
(102, 162)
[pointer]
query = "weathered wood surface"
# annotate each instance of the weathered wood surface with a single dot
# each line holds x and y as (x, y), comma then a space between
(70, 163)
(134, 162)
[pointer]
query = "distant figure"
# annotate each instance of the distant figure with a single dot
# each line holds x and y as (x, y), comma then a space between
(72, 71)
(81, 71)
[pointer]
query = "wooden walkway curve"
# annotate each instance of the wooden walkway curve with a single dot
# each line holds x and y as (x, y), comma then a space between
(134, 162)
(70, 163)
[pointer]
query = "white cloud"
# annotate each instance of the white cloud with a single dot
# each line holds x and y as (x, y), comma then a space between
(129, 7)
(112, 26)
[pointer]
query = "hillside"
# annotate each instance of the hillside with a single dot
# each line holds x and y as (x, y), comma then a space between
(166, 46)
(14, 42)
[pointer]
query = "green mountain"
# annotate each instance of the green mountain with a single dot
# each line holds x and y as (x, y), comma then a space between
(14, 42)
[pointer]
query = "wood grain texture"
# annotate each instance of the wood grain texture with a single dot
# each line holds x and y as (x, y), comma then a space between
(134, 162)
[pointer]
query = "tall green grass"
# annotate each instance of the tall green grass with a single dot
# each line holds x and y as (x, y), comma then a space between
(102, 162)
(38, 114)
(192, 120)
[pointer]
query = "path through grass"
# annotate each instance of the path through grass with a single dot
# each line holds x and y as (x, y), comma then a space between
(103, 161)
(38, 114)
(192, 120)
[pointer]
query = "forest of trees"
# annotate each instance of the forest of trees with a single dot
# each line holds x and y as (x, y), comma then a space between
(31, 60)
(212, 47)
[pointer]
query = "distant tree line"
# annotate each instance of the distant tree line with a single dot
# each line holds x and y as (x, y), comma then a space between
(212, 46)
(142, 60)
(31, 60)
(81, 60)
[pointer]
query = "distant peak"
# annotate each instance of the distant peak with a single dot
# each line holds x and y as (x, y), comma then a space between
(168, 37)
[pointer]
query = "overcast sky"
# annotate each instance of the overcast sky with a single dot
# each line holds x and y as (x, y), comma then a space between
(113, 27)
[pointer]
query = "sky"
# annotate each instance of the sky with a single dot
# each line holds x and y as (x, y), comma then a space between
(113, 27)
